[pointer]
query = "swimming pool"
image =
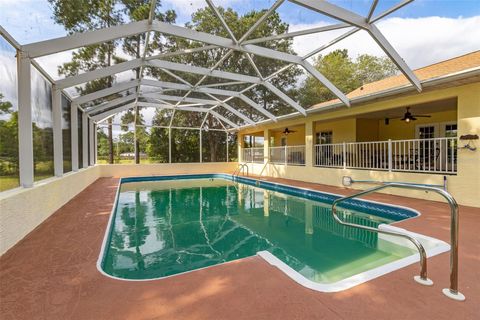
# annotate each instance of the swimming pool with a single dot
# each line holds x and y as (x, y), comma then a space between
(164, 226)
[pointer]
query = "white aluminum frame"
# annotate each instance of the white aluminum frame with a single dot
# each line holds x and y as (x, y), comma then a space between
(27, 54)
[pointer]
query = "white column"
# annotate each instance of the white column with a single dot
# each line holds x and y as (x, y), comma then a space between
(25, 136)
(240, 147)
(57, 132)
(91, 144)
(201, 146)
(227, 146)
(74, 136)
(169, 145)
(84, 140)
(95, 145)
(309, 149)
(266, 146)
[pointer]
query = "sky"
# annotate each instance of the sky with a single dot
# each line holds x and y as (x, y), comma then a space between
(423, 32)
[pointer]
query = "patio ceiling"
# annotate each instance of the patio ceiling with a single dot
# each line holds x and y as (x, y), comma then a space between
(215, 96)
(449, 104)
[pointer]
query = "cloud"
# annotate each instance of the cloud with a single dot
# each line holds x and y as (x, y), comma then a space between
(419, 41)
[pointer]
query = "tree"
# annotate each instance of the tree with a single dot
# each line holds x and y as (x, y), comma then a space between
(205, 20)
(346, 74)
(8, 138)
(135, 46)
(81, 16)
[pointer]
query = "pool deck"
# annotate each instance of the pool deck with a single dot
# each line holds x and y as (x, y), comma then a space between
(52, 274)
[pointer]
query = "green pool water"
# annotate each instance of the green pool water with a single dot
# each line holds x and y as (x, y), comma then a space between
(162, 228)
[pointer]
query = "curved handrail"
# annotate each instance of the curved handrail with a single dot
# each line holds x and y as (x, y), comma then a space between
(451, 292)
(239, 169)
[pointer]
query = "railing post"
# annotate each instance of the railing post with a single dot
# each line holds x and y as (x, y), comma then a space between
(285, 155)
(344, 152)
(390, 156)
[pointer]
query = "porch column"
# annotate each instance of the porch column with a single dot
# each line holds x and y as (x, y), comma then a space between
(25, 134)
(266, 145)
(309, 143)
(464, 186)
(240, 147)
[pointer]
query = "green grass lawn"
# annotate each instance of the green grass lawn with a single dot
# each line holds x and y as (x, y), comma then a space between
(127, 161)
(8, 182)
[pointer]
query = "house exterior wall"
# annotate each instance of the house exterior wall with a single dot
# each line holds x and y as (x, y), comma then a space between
(343, 130)
(296, 138)
(465, 186)
(368, 130)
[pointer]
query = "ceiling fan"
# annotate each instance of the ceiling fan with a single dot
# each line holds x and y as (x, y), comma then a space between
(408, 116)
(287, 131)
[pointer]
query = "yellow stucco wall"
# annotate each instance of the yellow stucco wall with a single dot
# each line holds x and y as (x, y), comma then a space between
(367, 130)
(296, 138)
(343, 130)
(465, 186)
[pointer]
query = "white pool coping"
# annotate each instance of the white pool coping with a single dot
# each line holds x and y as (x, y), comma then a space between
(432, 247)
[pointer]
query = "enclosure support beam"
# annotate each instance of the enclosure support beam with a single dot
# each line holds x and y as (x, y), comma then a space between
(25, 136)
(84, 140)
(91, 143)
(95, 141)
(169, 145)
(201, 146)
(57, 132)
(74, 135)
(77, 40)
(118, 87)
(227, 144)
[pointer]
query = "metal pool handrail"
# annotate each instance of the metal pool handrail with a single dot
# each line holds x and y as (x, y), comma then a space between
(451, 292)
(239, 169)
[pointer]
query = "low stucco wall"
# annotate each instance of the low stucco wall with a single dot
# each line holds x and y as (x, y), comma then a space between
(128, 170)
(333, 177)
(22, 210)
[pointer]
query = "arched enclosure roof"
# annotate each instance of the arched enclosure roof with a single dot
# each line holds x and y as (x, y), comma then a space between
(213, 98)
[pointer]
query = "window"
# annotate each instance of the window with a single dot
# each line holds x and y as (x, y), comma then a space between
(426, 132)
(250, 141)
(323, 137)
(451, 130)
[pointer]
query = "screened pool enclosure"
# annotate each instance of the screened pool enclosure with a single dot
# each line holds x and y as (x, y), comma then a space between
(159, 107)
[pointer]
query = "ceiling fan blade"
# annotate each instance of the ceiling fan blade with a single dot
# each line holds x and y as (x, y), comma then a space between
(421, 116)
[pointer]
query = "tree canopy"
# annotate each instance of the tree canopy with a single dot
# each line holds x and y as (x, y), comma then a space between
(82, 15)
(345, 73)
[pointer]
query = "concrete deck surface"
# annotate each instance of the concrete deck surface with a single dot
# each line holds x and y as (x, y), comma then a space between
(51, 274)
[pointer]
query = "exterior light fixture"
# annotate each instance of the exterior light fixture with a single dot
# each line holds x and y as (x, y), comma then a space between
(470, 145)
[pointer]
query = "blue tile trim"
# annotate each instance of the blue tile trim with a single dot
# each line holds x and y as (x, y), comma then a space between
(378, 209)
